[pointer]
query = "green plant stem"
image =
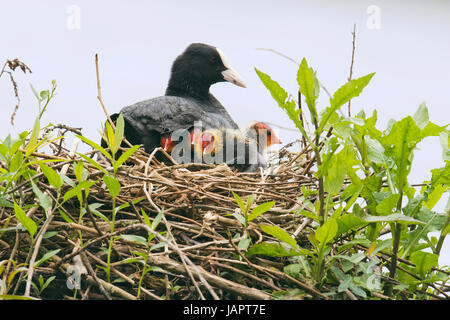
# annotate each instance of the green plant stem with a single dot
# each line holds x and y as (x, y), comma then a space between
(111, 240)
(321, 182)
(440, 242)
(397, 231)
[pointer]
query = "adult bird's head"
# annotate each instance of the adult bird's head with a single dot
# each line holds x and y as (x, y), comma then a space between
(199, 67)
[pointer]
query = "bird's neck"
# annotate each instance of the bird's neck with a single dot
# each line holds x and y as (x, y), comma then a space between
(187, 86)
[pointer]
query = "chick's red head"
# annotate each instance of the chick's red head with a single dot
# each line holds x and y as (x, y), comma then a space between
(265, 133)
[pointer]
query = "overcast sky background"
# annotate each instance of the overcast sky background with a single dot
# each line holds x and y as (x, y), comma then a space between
(137, 42)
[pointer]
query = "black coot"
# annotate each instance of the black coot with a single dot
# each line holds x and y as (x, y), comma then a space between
(186, 101)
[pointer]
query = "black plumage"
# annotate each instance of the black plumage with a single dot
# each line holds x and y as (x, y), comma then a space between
(187, 99)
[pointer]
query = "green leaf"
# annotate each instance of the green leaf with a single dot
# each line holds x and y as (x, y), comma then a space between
(65, 216)
(93, 162)
(281, 97)
(309, 86)
(274, 250)
(395, 217)
(77, 190)
(386, 206)
(262, 208)
(113, 185)
(344, 94)
(277, 92)
(444, 139)
(28, 223)
(36, 94)
(280, 234)
(44, 200)
(4, 202)
(400, 144)
(421, 116)
(244, 243)
(52, 176)
(345, 284)
(44, 94)
(118, 134)
(375, 150)
(349, 222)
(124, 156)
(33, 139)
(134, 238)
(325, 233)
(157, 219)
(239, 201)
(79, 171)
(435, 196)
(239, 217)
(335, 175)
(16, 161)
(46, 256)
(146, 219)
(350, 90)
(424, 261)
(95, 146)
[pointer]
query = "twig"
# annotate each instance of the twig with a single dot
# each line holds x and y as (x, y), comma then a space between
(351, 66)
(99, 97)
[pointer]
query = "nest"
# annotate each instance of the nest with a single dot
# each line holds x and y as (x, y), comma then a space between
(175, 234)
(194, 250)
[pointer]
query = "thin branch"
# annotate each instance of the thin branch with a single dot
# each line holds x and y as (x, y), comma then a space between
(351, 65)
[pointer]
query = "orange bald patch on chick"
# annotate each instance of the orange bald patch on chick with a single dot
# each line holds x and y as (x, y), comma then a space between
(168, 144)
(265, 133)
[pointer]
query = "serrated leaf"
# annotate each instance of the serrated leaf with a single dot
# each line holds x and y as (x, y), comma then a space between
(344, 94)
(308, 83)
(277, 92)
(350, 90)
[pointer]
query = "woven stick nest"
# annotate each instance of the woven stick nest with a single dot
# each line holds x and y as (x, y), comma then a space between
(200, 260)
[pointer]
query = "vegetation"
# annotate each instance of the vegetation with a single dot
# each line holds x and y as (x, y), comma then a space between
(337, 220)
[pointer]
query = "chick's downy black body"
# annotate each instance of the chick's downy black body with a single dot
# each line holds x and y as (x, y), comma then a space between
(187, 99)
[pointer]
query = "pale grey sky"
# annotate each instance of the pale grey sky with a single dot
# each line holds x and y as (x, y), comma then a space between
(138, 40)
